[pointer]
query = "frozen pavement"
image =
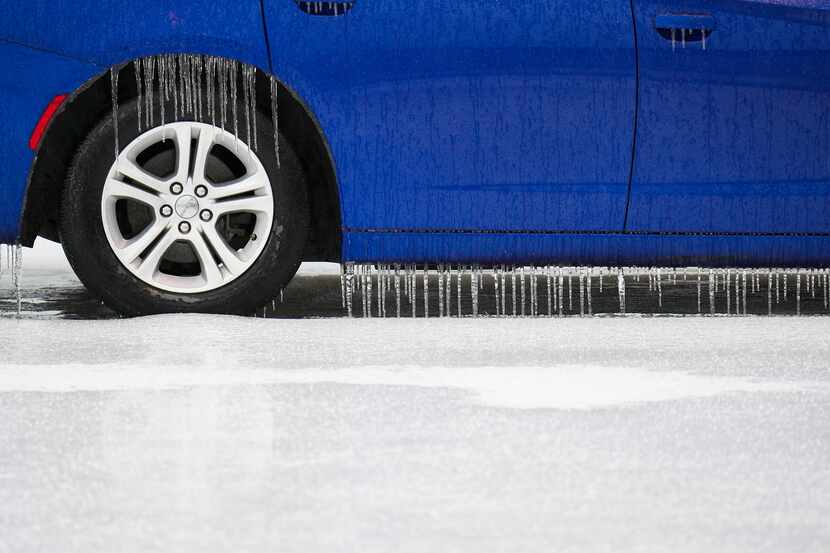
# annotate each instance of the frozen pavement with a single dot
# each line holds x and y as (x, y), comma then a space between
(189, 433)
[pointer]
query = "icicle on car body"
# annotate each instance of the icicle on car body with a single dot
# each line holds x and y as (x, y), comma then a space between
(515, 291)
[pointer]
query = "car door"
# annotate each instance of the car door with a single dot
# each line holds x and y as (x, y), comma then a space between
(468, 115)
(734, 131)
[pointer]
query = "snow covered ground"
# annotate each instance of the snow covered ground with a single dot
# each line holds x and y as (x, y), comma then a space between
(195, 433)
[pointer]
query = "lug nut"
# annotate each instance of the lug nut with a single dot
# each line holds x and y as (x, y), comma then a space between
(166, 211)
(206, 215)
(184, 227)
(201, 191)
(176, 188)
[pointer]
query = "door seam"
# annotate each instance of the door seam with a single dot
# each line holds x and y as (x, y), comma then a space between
(636, 115)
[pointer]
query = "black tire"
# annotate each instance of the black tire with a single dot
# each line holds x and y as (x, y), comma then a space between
(92, 258)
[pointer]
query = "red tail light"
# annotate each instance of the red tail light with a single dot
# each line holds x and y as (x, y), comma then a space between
(43, 122)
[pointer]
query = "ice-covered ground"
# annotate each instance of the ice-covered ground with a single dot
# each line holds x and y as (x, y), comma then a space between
(190, 433)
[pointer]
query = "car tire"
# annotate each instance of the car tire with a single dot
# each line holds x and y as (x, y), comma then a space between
(96, 260)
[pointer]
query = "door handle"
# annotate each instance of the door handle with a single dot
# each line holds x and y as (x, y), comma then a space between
(325, 8)
(685, 28)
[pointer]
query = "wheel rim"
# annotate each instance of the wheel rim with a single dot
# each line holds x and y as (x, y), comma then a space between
(187, 207)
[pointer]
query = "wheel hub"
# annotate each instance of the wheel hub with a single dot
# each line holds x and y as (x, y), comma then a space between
(187, 207)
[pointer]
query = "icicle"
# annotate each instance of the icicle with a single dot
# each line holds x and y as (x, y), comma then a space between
(673, 41)
(474, 288)
(162, 90)
(440, 290)
(522, 288)
(534, 289)
(382, 283)
(744, 291)
(191, 84)
(222, 83)
(513, 290)
(407, 283)
(114, 97)
(698, 290)
(496, 289)
(349, 288)
(448, 290)
(683, 34)
(149, 78)
(363, 286)
(233, 80)
(246, 97)
(703, 34)
(659, 278)
(777, 287)
(503, 292)
(200, 69)
(786, 279)
(712, 285)
(769, 292)
(798, 294)
(369, 286)
(343, 285)
(812, 283)
(581, 294)
(210, 80)
(397, 279)
(570, 291)
(426, 294)
(600, 280)
(17, 276)
(560, 286)
(728, 292)
(588, 289)
(459, 275)
(550, 298)
(183, 77)
(138, 84)
(621, 290)
(275, 117)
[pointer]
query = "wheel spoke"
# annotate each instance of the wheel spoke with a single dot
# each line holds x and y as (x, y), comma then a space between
(150, 263)
(210, 270)
(117, 189)
(204, 143)
(243, 185)
(248, 204)
(130, 168)
(183, 138)
(226, 254)
(136, 246)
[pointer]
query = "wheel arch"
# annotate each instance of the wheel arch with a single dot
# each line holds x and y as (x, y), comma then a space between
(91, 102)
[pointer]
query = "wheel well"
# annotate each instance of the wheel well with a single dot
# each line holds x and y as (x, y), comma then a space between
(92, 102)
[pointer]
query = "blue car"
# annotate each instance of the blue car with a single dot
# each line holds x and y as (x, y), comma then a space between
(190, 154)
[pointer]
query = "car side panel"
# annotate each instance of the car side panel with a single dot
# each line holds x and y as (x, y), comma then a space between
(29, 79)
(469, 115)
(597, 249)
(114, 31)
(734, 138)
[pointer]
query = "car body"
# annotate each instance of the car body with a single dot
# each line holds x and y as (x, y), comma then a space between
(493, 132)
